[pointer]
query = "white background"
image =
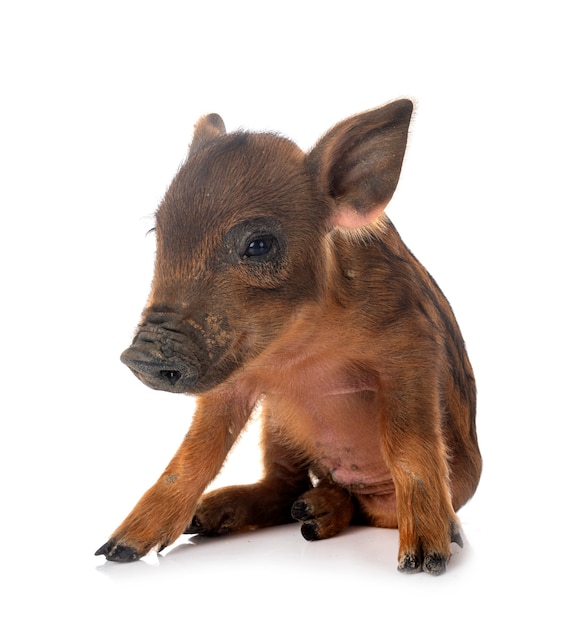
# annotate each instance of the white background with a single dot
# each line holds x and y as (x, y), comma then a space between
(98, 101)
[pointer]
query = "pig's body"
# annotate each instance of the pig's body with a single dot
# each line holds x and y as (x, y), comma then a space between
(279, 278)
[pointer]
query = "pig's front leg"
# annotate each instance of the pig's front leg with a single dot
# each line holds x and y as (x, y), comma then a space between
(167, 507)
(417, 457)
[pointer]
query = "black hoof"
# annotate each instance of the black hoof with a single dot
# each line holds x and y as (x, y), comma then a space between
(434, 564)
(455, 536)
(310, 531)
(301, 511)
(117, 552)
(409, 564)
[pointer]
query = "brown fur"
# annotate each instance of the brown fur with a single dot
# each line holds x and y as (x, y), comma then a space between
(279, 279)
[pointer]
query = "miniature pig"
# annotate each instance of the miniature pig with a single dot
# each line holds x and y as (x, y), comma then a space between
(280, 283)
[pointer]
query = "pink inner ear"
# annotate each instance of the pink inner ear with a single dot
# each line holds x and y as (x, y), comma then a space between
(347, 217)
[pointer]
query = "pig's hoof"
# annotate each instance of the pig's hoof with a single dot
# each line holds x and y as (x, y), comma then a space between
(302, 512)
(310, 530)
(455, 536)
(409, 563)
(434, 564)
(117, 552)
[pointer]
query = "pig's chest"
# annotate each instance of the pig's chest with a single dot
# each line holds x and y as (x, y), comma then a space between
(338, 432)
(325, 405)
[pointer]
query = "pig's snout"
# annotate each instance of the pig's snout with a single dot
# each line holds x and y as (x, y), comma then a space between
(160, 374)
(163, 357)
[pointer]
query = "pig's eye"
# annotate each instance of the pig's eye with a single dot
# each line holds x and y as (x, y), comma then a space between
(260, 246)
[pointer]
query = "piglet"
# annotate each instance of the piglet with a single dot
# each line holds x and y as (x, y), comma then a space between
(280, 283)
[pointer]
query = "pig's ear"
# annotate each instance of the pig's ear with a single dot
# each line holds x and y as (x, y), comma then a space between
(208, 127)
(357, 163)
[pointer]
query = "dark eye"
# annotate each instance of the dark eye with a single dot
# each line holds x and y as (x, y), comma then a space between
(260, 246)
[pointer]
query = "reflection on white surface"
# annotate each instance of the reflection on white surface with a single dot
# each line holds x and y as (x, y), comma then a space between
(274, 576)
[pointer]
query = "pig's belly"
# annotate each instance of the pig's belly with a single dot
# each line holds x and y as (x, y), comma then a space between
(341, 436)
(353, 462)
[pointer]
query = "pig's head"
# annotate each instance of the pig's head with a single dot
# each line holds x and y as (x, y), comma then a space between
(243, 240)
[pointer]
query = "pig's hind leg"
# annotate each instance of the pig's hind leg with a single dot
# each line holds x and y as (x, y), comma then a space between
(323, 511)
(265, 503)
(243, 507)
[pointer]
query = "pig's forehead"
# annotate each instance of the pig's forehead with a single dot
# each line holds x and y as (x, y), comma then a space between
(237, 177)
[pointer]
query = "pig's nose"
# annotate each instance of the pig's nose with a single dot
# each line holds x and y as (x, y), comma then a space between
(160, 374)
(171, 376)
